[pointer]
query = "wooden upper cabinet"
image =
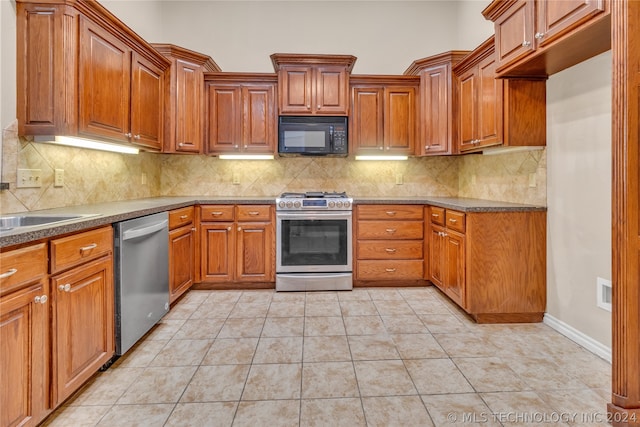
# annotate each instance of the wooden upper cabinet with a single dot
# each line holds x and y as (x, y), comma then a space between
(184, 99)
(82, 72)
(241, 115)
(540, 38)
(313, 84)
(147, 109)
(435, 123)
(491, 111)
(383, 116)
(105, 82)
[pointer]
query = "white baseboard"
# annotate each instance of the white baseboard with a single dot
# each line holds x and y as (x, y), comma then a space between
(580, 338)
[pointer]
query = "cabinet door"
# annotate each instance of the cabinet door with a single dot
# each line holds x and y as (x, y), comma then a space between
(437, 256)
(400, 119)
(515, 32)
(24, 346)
(104, 84)
(367, 119)
(259, 119)
(489, 102)
(225, 118)
(455, 267)
(468, 116)
(217, 244)
(188, 120)
(83, 324)
(255, 254)
(147, 108)
(331, 90)
(181, 262)
(295, 90)
(558, 17)
(435, 119)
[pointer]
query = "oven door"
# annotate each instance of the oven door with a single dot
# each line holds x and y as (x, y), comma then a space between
(308, 242)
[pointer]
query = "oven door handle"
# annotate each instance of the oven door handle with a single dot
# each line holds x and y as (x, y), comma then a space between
(313, 215)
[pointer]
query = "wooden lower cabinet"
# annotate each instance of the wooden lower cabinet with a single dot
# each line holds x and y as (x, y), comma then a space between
(83, 322)
(24, 336)
(492, 264)
(236, 245)
(389, 242)
(82, 305)
(181, 252)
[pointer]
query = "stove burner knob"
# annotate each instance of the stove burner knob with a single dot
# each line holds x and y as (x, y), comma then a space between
(332, 204)
(338, 204)
(289, 204)
(281, 204)
(297, 204)
(347, 204)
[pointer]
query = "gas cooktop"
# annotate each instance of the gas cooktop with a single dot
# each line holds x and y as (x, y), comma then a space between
(318, 200)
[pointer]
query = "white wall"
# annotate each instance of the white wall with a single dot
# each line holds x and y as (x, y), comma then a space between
(385, 36)
(579, 194)
(473, 29)
(142, 16)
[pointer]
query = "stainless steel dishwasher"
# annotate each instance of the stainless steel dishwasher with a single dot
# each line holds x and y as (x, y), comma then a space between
(141, 275)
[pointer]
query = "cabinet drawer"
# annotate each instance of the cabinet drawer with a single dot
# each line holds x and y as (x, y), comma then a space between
(455, 220)
(437, 215)
(389, 270)
(390, 249)
(21, 267)
(216, 213)
(79, 248)
(253, 213)
(180, 217)
(389, 212)
(390, 230)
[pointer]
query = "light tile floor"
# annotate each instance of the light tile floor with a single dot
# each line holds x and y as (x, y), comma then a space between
(374, 357)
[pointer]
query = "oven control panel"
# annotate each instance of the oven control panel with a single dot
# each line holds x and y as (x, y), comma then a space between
(338, 204)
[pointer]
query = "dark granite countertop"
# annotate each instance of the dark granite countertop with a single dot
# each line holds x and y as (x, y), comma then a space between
(458, 203)
(111, 212)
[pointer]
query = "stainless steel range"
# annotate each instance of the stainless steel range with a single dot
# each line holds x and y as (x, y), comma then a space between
(313, 241)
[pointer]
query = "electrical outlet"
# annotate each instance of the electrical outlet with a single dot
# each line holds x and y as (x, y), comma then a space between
(29, 178)
(58, 178)
(236, 178)
(399, 179)
(532, 180)
(143, 179)
(604, 295)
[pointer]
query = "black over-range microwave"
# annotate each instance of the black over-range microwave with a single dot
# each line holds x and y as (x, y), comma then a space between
(313, 136)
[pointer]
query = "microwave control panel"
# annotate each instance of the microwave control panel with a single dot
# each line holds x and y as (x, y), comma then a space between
(340, 139)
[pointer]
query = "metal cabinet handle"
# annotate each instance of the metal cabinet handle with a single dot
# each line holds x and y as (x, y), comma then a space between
(8, 273)
(427, 147)
(381, 148)
(390, 270)
(136, 137)
(391, 213)
(239, 228)
(453, 221)
(41, 299)
(181, 144)
(128, 134)
(391, 230)
(216, 213)
(253, 213)
(193, 229)
(184, 216)
(318, 106)
(65, 288)
(390, 250)
(228, 228)
(538, 36)
(435, 215)
(526, 43)
(88, 247)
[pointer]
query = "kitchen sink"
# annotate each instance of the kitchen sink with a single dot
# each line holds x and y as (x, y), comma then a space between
(10, 222)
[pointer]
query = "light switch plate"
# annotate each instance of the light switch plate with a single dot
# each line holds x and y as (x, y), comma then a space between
(29, 178)
(58, 178)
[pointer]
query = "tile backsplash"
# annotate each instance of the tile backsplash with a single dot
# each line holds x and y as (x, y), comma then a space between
(95, 176)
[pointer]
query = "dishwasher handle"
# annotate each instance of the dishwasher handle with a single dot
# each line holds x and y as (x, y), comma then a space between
(144, 231)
